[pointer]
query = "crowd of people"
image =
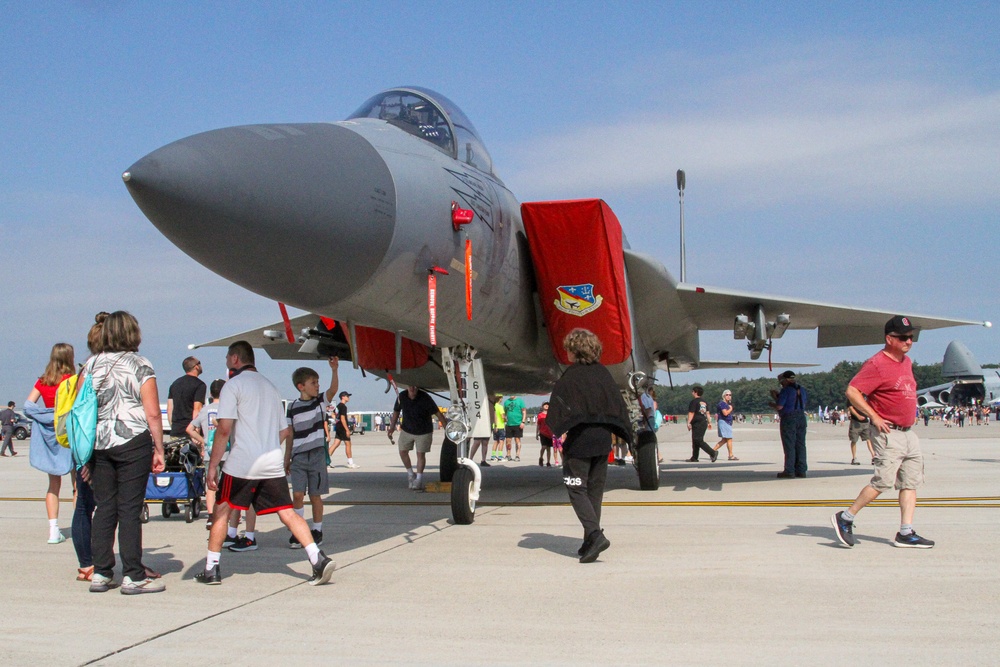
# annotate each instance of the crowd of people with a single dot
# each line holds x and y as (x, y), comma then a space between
(256, 448)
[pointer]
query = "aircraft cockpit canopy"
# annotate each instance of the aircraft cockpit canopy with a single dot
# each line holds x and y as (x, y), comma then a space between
(432, 117)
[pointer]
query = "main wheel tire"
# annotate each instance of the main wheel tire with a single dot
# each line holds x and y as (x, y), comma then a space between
(646, 461)
(449, 460)
(165, 509)
(463, 508)
(21, 433)
(144, 514)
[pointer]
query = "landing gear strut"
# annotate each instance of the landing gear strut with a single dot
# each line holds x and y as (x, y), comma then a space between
(467, 419)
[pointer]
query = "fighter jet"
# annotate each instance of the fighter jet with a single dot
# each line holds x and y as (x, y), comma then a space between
(394, 232)
(971, 383)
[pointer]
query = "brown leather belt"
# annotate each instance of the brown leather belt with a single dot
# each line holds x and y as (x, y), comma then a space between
(899, 428)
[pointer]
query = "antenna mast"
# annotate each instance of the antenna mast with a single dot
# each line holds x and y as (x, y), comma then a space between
(680, 190)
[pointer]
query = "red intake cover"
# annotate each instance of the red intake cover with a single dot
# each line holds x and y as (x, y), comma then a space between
(576, 250)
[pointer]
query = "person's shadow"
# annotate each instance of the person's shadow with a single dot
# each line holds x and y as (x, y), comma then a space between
(557, 544)
(826, 532)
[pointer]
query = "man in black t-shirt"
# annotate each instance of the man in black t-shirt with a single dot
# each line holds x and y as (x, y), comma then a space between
(185, 398)
(418, 410)
(698, 422)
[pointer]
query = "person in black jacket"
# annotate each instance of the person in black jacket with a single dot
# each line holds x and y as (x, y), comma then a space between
(587, 406)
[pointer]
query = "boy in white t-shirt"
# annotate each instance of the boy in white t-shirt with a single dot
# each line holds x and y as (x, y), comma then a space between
(201, 430)
(305, 446)
(254, 475)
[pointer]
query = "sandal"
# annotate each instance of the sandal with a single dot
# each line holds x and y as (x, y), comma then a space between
(85, 573)
(151, 573)
(733, 458)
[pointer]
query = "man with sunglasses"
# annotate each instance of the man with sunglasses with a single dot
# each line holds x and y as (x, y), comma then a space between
(891, 404)
(185, 398)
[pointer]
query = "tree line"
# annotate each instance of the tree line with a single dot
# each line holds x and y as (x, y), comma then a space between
(752, 396)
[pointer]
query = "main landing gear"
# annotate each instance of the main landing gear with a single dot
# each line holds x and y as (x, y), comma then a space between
(645, 451)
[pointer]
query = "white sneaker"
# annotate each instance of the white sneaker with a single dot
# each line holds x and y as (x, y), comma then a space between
(147, 585)
(418, 483)
(353, 465)
(411, 477)
(101, 584)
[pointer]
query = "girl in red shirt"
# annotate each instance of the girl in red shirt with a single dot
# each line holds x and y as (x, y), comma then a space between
(60, 367)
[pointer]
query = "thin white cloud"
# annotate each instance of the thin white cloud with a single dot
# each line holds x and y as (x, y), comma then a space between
(801, 131)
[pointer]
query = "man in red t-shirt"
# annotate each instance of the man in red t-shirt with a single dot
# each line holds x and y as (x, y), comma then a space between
(891, 405)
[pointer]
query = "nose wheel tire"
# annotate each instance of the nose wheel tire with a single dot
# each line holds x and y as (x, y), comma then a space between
(646, 462)
(463, 508)
(449, 460)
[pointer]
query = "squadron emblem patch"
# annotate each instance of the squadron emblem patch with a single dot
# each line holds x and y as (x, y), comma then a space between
(577, 299)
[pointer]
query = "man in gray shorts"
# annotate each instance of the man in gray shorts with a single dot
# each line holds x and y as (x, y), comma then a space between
(859, 428)
(891, 405)
(417, 430)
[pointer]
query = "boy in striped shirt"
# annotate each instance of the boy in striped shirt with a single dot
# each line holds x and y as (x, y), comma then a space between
(306, 447)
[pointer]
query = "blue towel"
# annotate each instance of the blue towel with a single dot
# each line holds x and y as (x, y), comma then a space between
(45, 453)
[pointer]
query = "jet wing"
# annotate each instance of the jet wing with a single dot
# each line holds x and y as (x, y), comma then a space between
(277, 347)
(714, 308)
(703, 365)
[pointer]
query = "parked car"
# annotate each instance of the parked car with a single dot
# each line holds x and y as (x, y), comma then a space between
(22, 427)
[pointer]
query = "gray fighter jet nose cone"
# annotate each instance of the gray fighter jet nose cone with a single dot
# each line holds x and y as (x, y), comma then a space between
(299, 212)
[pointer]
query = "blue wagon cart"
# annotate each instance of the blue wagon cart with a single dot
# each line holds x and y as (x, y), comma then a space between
(183, 482)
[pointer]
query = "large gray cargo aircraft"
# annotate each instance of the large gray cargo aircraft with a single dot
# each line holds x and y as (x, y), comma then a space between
(354, 221)
(970, 384)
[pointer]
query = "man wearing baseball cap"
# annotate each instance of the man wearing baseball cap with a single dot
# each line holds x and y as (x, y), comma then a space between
(342, 433)
(891, 405)
(790, 403)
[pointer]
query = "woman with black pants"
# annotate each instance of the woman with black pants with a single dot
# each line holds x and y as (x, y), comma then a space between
(129, 445)
(587, 406)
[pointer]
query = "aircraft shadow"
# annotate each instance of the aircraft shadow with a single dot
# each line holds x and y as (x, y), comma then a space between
(709, 477)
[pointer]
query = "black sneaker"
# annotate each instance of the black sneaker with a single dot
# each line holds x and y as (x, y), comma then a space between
(715, 456)
(586, 543)
(243, 543)
(801, 474)
(785, 475)
(211, 577)
(484, 464)
(317, 536)
(229, 541)
(293, 543)
(598, 544)
(912, 541)
(844, 529)
(322, 570)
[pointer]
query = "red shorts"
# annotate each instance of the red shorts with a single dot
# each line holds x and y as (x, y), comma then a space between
(267, 496)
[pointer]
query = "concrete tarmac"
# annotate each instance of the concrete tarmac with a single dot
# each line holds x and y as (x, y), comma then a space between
(724, 564)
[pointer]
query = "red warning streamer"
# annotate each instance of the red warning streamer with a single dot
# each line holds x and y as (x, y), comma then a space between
(288, 323)
(468, 279)
(432, 302)
(432, 288)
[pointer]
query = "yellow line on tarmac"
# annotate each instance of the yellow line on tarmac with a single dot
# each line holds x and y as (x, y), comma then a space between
(968, 501)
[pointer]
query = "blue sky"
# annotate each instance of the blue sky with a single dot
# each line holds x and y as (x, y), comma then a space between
(847, 152)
